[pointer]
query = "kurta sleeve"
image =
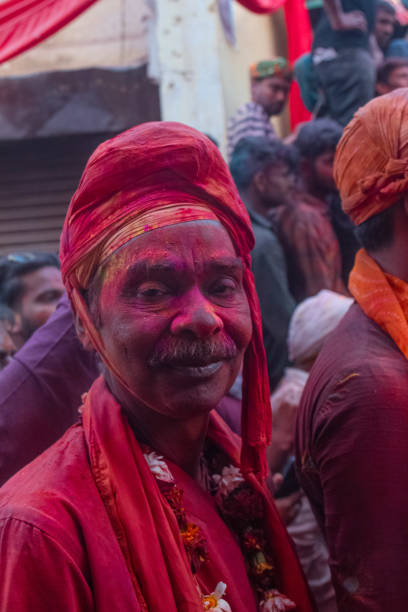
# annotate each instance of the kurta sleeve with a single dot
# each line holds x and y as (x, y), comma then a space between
(360, 451)
(37, 574)
(277, 304)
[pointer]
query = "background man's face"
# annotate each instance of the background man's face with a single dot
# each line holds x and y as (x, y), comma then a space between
(384, 28)
(7, 346)
(43, 289)
(174, 317)
(397, 78)
(277, 185)
(323, 166)
(271, 93)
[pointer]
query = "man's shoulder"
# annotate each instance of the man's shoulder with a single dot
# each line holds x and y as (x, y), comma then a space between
(249, 109)
(358, 362)
(49, 491)
(265, 236)
(304, 216)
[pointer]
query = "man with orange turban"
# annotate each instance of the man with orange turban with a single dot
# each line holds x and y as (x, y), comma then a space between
(149, 503)
(352, 432)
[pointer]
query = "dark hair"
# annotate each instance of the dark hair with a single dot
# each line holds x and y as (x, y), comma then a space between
(383, 5)
(14, 267)
(6, 314)
(378, 232)
(317, 137)
(251, 155)
(388, 66)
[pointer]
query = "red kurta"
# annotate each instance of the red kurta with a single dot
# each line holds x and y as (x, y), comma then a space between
(68, 544)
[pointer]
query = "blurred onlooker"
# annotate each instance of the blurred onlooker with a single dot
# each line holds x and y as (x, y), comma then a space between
(7, 346)
(304, 229)
(342, 58)
(385, 20)
(270, 85)
(313, 320)
(31, 287)
(392, 74)
(385, 27)
(316, 142)
(264, 172)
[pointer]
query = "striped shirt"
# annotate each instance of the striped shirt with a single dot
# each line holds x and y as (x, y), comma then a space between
(250, 120)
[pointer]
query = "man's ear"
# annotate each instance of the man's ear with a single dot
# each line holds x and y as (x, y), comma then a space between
(306, 166)
(259, 182)
(382, 88)
(83, 334)
(16, 327)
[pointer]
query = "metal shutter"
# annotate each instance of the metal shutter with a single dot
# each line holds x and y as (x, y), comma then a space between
(37, 180)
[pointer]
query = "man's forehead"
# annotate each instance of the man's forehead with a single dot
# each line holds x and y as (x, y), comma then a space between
(164, 262)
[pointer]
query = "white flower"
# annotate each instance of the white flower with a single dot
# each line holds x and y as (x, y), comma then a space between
(276, 602)
(214, 601)
(229, 480)
(158, 467)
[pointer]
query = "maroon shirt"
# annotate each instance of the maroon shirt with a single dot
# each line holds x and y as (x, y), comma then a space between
(40, 390)
(352, 458)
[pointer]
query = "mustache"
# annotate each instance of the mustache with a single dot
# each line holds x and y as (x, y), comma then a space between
(183, 352)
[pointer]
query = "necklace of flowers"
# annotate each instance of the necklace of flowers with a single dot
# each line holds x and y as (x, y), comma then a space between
(242, 508)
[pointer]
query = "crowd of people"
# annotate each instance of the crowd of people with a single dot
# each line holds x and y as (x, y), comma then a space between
(192, 303)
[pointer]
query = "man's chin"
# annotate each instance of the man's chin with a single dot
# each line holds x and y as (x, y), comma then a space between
(275, 110)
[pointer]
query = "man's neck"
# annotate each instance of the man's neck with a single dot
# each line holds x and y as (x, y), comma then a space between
(394, 258)
(250, 199)
(179, 441)
(390, 263)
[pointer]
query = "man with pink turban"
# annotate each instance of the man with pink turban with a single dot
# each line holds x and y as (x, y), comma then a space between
(352, 431)
(150, 503)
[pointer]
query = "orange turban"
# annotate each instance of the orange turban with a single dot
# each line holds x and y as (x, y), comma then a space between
(154, 175)
(371, 164)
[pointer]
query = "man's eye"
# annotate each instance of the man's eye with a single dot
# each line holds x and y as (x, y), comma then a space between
(225, 287)
(149, 291)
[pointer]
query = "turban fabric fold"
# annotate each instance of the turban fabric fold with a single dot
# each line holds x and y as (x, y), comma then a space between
(371, 164)
(152, 175)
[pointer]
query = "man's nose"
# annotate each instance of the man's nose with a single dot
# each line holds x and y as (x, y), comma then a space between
(197, 316)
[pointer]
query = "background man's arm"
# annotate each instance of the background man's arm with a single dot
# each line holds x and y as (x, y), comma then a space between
(277, 306)
(339, 20)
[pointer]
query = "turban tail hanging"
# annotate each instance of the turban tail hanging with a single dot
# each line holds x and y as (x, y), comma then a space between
(371, 165)
(153, 175)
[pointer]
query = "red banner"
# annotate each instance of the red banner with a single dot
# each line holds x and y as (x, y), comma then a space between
(262, 6)
(299, 33)
(25, 23)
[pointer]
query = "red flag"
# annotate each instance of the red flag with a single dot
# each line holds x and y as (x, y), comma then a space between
(262, 6)
(25, 23)
(299, 33)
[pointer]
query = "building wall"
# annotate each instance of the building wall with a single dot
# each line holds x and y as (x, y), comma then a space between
(111, 33)
(203, 78)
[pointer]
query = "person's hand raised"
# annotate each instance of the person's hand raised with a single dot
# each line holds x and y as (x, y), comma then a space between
(353, 20)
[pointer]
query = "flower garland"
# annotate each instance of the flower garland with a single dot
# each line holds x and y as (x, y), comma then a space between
(242, 508)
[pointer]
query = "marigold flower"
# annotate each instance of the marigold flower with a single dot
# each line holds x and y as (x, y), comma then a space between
(214, 601)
